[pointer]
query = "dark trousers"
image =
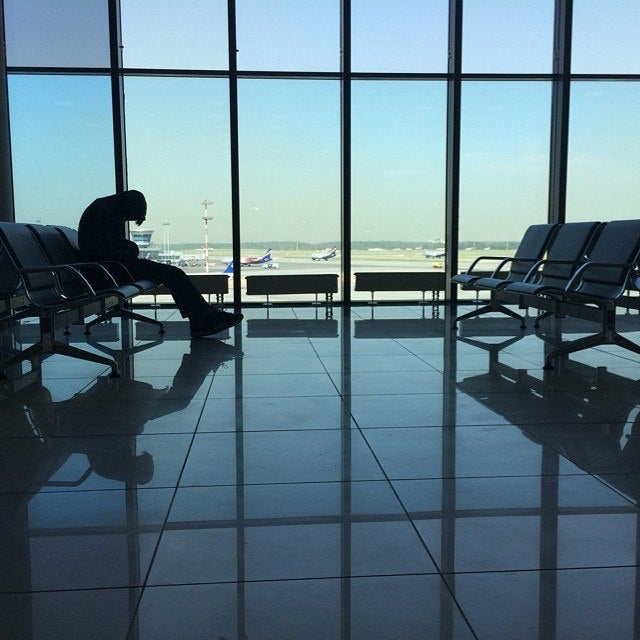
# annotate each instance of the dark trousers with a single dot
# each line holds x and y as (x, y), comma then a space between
(187, 298)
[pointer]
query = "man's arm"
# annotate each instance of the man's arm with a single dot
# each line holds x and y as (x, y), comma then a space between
(100, 235)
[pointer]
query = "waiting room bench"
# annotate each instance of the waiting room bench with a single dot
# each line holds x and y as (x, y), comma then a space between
(422, 281)
(585, 275)
(316, 283)
(61, 290)
(530, 250)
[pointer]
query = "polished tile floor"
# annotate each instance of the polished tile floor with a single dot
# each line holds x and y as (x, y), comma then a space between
(370, 476)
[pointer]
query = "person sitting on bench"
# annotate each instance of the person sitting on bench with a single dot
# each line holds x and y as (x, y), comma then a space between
(101, 238)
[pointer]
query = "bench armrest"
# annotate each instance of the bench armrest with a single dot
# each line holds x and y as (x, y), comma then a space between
(56, 272)
(578, 277)
(479, 259)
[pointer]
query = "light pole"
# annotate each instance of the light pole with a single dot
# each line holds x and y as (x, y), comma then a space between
(165, 227)
(206, 219)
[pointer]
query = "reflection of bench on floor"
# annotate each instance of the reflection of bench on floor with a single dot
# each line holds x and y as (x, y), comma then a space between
(399, 328)
(287, 328)
(206, 283)
(598, 447)
(317, 283)
(422, 281)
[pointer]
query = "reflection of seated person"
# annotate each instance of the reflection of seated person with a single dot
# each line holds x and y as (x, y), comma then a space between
(101, 238)
(82, 425)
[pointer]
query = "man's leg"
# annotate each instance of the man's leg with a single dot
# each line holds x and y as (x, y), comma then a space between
(187, 298)
(205, 319)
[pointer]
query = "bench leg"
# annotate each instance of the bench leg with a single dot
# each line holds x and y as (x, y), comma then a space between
(573, 346)
(490, 307)
(124, 313)
(132, 315)
(591, 341)
(329, 305)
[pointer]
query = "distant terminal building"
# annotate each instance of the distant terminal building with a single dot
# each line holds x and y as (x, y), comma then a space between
(142, 237)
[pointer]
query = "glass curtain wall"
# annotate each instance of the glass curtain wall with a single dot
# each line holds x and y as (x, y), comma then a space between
(289, 175)
(398, 137)
(604, 132)
(287, 78)
(504, 161)
(178, 155)
(397, 176)
(62, 145)
(61, 125)
(505, 122)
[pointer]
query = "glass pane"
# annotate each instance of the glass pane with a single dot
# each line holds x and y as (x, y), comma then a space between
(507, 37)
(398, 175)
(408, 37)
(290, 172)
(288, 35)
(605, 36)
(178, 156)
(504, 164)
(604, 138)
(164, 34)
(62, 145)
(65, 33)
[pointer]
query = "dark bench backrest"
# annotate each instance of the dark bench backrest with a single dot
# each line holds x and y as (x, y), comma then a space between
(58, 251)
(54, 245)
(571, 243)
(9, 277)
(25, 252)
(533, 246)
(71, 238)
(617, 242)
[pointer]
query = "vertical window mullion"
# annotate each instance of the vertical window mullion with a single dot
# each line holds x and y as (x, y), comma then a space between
(454, 91)
(117, 96)
(345, 152)
(234, 141)
(7, 205)
(559, 139)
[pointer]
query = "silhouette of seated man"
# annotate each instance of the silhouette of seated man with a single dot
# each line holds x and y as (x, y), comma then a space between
(101, 237)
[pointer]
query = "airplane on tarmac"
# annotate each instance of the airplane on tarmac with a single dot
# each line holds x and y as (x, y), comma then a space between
(325, 255)
(266, 260)
(247, 262)
(435, 253)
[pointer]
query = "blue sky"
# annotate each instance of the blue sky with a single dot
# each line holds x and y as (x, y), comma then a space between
(290, 130)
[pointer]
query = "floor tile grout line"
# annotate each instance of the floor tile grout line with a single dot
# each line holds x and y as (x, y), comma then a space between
(165, 521)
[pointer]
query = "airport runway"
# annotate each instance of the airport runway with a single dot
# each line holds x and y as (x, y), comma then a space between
(296, 265)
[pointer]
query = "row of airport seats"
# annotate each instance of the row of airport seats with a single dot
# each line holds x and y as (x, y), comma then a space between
(45, 277)
(578, 269)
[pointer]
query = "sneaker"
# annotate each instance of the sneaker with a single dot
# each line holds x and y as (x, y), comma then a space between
(211, 324)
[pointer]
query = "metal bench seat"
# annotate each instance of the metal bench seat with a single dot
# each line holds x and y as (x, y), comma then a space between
(52, 290)
(531, 249)
(102, 276)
